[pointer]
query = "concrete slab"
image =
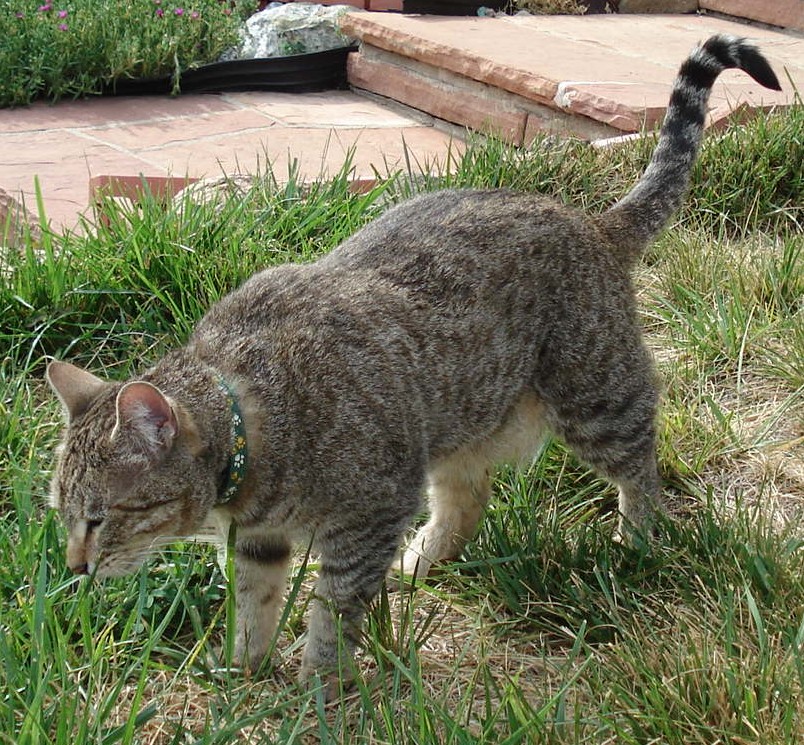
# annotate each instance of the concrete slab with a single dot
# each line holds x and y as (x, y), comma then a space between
(62, 162)
(609, 69)
(153, 135)
(331, 109)
(589, 76)
(92, 112)
(316, 152)
(201, 135)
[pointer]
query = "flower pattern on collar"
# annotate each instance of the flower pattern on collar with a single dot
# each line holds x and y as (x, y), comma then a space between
(238, 450)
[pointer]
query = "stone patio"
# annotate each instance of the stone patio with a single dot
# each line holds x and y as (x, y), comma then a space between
(590, 76)
(587, 76)
(202, 135)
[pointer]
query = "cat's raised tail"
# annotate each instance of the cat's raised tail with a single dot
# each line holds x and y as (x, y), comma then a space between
(641, 214)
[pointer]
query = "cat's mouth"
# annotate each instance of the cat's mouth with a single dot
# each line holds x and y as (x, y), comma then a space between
(128, 560)
(86, 557)
(112, 564)
(81, 546)
(120, 564)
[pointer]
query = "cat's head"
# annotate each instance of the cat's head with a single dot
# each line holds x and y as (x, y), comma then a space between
(132, 472)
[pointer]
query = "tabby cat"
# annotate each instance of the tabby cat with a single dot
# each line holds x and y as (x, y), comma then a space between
(318, 402)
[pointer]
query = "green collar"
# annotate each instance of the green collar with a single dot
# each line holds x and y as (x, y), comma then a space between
(235, 472)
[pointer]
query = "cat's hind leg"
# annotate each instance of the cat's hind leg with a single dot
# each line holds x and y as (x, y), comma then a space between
(614, 431)
(459, 487)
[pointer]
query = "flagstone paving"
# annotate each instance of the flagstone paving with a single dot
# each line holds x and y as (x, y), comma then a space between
(590, 76)
(201, 135)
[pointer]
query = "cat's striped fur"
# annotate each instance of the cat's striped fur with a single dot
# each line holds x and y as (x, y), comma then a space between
(438, 340)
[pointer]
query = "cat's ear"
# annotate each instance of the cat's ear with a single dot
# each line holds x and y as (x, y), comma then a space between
(146, 419)
(76, 388)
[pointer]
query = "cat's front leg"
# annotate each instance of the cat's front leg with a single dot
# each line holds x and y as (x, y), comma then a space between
(261, 562)
(354, 561)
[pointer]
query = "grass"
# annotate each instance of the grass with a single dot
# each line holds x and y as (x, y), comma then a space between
(547, 632)
(71, 48)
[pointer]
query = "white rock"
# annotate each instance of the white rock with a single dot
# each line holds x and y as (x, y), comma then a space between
(292, 28)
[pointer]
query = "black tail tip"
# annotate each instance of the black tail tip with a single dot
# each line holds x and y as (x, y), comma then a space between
(758, 67)
(731, 51)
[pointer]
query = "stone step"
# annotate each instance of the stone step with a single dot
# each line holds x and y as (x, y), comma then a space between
(461, 100)
(586, 76)
(783, 13)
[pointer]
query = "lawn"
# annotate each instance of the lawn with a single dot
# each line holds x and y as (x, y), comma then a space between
(547, 632)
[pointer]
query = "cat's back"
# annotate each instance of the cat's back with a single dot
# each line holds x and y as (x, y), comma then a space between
(471, 247)
(461, 222)
(462, 249)
(444, 305)
(307, 321)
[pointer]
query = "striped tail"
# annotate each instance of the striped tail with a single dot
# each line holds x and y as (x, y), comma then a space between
(642, 213)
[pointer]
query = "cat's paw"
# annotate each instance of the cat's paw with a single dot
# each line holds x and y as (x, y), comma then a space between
(330, 685)
(433, 544)
(248, 658)
(635, 534)
(330, 682)
(407, 569)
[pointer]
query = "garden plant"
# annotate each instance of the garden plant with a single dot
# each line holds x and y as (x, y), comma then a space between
(72, 48)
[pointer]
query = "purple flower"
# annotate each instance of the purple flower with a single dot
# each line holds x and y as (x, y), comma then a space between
(62, 27)
(195, 14)
(45, 8)
(62, 14)
(157, 2)
(179, 11)
(20, 15)
(159, 12)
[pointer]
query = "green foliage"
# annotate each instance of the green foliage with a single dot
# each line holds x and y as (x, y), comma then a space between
(81, 47)
(751, 176)
(552, 7)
